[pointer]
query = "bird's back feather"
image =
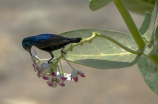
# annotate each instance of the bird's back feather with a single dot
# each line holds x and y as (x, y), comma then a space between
(49, 40)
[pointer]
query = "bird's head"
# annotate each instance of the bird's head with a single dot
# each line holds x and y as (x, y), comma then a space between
(27, 44)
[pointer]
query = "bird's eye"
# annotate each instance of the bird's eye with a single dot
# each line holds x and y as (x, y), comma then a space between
(26, 45)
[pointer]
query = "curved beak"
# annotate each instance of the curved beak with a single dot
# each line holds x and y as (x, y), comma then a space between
(29, 50)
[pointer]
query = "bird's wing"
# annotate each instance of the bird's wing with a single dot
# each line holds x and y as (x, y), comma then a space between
(49, 40)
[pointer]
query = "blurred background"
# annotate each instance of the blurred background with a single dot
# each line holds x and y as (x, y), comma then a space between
(19, 84)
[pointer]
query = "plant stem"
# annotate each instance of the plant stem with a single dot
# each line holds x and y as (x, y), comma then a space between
(61, 68)
(154, 59)
(133, 29)
(130, 24)
(68, 63)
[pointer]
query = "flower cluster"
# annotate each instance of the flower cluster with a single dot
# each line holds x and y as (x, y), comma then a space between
(53, 73)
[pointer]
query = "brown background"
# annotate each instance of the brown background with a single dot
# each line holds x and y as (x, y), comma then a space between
(19, 83)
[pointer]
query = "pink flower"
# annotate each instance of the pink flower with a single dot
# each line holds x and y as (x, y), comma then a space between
(45, 77)
(35, 64)
(75, 73)
(55, 79)
(36, 61)
(42, 69)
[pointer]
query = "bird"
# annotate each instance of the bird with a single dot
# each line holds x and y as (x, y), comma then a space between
(48, 42)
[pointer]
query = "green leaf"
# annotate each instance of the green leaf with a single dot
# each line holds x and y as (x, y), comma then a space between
(101, 53)
(145, 24)
(149, 71)
(97, 4)
(152, 33)
(140, 6)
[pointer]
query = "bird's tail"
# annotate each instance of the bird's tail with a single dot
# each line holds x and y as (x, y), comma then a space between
(75, 40)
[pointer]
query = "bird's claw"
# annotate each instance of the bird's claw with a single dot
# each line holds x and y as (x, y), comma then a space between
(62, 51)
(50, 62)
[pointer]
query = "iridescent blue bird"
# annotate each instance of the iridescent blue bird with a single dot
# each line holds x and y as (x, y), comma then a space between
(48, 43)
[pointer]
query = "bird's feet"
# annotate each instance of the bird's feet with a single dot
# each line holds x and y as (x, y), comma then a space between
(49, 61)
(62, 51)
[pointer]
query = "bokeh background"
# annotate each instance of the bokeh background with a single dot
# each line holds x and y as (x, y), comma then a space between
(19, 83)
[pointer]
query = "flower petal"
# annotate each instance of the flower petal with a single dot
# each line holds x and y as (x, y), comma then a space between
(81, 73)
(45, 77)
(36, 59)
(68, 76)
(74, 73)
(61, 77)
(55, 85)
(44, 67)
(33, 58)
(35, 54)
(38, 74)
(75, 78)
(34, 67)
(62, 84)
(34, 51)
(53, 74)
(50, 84)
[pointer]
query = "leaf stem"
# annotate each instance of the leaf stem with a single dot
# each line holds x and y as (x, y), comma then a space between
(119, 44)
(68, 63)
(61, 68)
(130, 24)
(154, 59)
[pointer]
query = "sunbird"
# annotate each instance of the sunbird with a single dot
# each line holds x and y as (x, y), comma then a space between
(48, 43)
